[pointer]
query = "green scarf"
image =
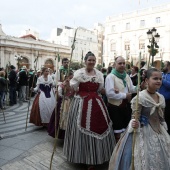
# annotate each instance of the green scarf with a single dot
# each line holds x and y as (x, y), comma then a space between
(119, 75)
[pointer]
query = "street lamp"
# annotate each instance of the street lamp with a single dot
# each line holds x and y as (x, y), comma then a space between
(153, 39)
(18, 58)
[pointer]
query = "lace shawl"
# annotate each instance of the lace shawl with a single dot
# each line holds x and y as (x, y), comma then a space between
(41, 80)
(147, 101)
(80, 76)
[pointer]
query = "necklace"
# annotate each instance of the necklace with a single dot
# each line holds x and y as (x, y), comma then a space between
(150, 92)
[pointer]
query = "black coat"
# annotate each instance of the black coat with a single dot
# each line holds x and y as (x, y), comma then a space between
(23, 78)
(12, 78)
(3, 84)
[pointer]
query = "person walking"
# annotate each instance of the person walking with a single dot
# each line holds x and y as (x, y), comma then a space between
(89, 135)
(119, 89)
(44, 102)
(23, 83)
(12, 85)
(152, 142)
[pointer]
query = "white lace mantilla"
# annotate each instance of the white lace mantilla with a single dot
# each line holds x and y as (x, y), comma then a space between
(80, 76)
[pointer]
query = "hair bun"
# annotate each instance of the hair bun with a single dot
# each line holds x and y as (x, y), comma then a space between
(88, 54)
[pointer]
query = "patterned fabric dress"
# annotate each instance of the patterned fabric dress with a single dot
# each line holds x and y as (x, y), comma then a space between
(89, 136)
(152, 144)
(61, 118)
(44, 102)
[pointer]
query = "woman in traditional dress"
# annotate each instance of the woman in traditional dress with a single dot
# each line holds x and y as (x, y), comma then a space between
(89, 137)
(62, 109)
(152, 142)
(44, 103)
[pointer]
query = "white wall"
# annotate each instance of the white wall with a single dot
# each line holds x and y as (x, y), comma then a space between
(136, 32)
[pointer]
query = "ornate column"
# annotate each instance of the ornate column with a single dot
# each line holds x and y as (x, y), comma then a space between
(2, 64)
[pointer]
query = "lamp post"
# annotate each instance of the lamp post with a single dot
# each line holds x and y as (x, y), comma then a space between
(18, 58)
(153, 39)
(127, 55)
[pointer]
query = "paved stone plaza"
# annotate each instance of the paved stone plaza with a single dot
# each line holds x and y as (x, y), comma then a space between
(31, 149)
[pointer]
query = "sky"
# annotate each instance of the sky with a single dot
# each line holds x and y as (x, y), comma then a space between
(44, 15)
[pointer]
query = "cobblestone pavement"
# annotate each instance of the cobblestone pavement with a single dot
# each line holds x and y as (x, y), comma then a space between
(16, 120)
(31, 149)
(33, 152)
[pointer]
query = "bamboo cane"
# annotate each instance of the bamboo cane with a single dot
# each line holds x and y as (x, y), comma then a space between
(55, 126)
(82, 60)
(7, 90)
(136, 113)
(56, 135)
(36, 61)
(148, 63)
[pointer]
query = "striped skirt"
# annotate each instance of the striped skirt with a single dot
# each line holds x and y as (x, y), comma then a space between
(82, 148)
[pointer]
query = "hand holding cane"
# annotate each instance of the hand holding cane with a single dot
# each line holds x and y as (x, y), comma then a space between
(136, 113)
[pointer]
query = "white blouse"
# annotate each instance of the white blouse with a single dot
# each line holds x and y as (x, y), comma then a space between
(80, 76)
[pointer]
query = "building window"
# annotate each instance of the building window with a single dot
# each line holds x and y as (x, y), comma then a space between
(158, 20)
(142, 44)
(142, 23)
(127, 45)
(113, 47)
(113, 28)
(128, 26)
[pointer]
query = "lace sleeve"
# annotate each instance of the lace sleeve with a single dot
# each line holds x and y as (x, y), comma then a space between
(37, 85)
(133, 107)
(74, 82)
(101, 81)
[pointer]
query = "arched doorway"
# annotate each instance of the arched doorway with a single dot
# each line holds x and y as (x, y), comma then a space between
(24, 62)
(49, 64)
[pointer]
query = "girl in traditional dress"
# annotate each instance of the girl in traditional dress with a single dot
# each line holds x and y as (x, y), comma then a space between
(89, 137)
(62, 108)
(152, 142)
(45, 102)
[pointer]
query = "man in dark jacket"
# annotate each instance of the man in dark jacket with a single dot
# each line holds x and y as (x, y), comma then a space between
(12, 85)
(23, 82)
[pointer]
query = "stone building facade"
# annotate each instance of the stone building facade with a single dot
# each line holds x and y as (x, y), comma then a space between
(24, 50)
(125, 35)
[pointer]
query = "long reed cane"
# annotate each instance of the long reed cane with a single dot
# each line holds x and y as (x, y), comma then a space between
(56, 134)
(148, 63)
(29, 101)
(55, 123)
(7, 90)
(136, 114)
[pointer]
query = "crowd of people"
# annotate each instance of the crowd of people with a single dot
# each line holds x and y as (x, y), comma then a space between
(95, 112)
